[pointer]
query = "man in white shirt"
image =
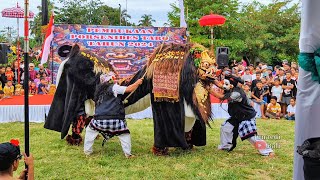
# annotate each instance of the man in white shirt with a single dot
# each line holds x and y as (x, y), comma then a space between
(291, 110)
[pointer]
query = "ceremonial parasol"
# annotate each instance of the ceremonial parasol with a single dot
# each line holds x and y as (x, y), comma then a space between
(212, 20)
(16, 12)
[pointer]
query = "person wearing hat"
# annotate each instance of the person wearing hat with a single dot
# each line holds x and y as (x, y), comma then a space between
(242, 121)
(9, 161)
(32, 72)
(109, 117)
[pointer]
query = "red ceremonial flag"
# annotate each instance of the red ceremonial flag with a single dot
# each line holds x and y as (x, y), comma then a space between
(46, 45)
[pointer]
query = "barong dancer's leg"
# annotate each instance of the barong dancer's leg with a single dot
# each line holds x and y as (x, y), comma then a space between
(89, 139)
(125, 140)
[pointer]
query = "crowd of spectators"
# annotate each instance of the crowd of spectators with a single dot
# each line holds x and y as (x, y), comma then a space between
(272, 88)
(12, 78)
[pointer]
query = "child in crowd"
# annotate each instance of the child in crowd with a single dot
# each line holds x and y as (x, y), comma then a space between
(9, 161)
(8, 89)
(109, 118)
(42, 87)
(291, 110)
(45, 76)
(33, 90)
(273, 109)
(246, 89)
(257, 97)
(9, 74)
(257, 78)
(1, 95)
(276, 90)
(288, 85)
(37, 79)
(265, 88)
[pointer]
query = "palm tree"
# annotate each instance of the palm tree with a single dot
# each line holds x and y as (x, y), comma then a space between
(146, 20)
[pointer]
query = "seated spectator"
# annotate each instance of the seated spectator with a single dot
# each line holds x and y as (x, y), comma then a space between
(257, 97)
(37, 79)
(9, 74)
(32, 72)
(1, 95)
(3, 78)
(33, 90)
(291, 110)
(42, 87)
(45, 76)
(273, 109)
(276, 90)
(8, 89)
(246, 89)
(9, 161)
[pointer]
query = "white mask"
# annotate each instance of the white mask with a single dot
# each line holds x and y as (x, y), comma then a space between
(226, 84)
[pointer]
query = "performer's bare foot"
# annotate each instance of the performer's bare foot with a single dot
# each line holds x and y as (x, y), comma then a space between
(130, 156)
(159, 151)
(271, 155)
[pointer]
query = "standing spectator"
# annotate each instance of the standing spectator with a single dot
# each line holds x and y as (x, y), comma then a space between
(273, 109)
(257, 97)
(8, 89)
(276, 71)
(32, 72)
(247, 77)
(287, 86)
(254, 82)
(291, 110)
(265, 87)
(44, 70)
(3, 78)
(246, 89)
(276, 90)
(294, 65)
(9, 74)
(286, 67)
(251, 69)
(281, 75)
(18, 71)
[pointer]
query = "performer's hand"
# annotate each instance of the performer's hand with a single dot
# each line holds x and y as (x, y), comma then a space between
(139, 81)
(28, 160)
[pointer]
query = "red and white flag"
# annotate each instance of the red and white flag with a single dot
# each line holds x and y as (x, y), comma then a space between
(47, 42)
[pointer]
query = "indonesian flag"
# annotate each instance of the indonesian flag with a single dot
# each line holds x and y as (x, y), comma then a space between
(46, 45)
(182, 18)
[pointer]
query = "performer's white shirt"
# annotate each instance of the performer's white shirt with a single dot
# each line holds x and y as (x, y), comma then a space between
(117, 89)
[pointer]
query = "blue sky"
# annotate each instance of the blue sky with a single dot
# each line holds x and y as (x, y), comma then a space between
(136, 8)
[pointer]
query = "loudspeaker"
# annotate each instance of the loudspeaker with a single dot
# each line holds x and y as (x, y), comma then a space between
(3, 54)
(222, 57)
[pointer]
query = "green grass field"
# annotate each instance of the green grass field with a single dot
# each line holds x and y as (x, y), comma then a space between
(54, 159)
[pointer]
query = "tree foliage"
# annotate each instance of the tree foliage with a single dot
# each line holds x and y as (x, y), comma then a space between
(268, 32)
(146, 20)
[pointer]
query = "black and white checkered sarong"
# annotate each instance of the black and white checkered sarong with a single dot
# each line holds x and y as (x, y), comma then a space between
(112, 127)
(247, 128)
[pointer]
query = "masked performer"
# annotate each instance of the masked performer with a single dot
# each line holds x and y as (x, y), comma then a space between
(109, 118)
(242, 121)
(77, 78)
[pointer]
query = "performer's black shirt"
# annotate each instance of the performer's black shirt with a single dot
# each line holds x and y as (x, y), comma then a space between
(238, 105)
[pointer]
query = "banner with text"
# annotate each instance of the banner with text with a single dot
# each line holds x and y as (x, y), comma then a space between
(126, 48)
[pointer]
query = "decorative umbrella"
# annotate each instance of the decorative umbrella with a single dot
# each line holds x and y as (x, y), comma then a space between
(212, 20)
(16, 12)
